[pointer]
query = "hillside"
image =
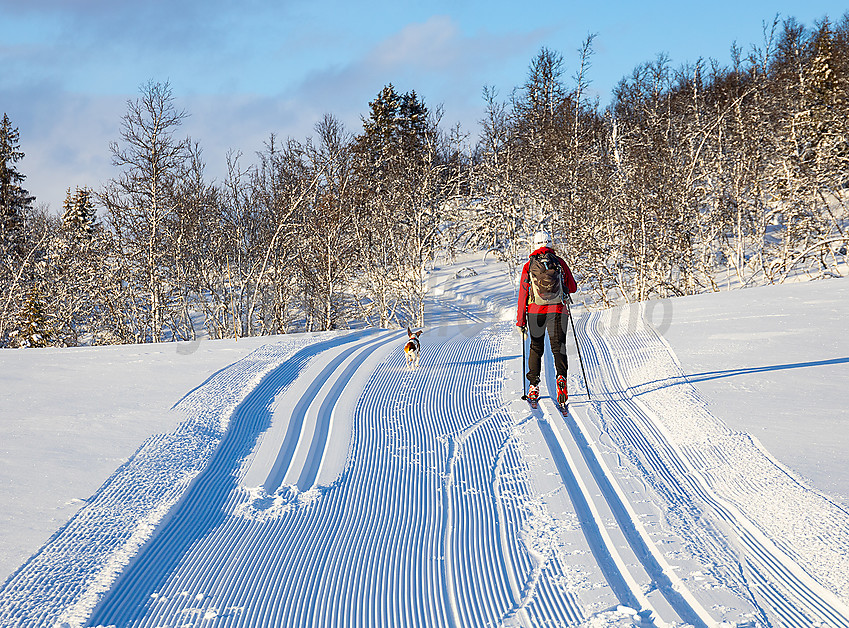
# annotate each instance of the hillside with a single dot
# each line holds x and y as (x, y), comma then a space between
(317, 480)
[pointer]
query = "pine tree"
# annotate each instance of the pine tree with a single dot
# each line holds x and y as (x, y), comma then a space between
(35, 329)
(821, 84)
(79, 213)
(14, 199)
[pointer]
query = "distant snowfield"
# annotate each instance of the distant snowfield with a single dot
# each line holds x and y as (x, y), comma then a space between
(180, 472)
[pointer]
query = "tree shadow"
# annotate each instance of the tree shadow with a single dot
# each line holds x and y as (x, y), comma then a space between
(752, 370)
(694, 378)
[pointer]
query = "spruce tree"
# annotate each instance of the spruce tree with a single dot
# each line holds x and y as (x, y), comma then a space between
(14, 199)
(394, 135)
(79, 213)
(412, 126)
(35, 329)
(376, 147)
(395, 174)
(821, 86)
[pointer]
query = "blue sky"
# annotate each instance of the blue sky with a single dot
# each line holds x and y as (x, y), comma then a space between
(246, 69)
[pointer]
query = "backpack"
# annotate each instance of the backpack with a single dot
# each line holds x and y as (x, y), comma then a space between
(545, 276)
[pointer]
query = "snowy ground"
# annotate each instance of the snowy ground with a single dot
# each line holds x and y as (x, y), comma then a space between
(70, 417)
(315, 480)
(774, 362)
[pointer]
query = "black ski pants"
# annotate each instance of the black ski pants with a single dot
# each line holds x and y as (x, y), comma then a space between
(556, 324)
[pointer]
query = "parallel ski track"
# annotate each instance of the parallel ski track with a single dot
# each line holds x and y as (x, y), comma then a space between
(627, 556)
(424, 525)
(786, 595)
(63, 581)
(199, 509)
(416, 531)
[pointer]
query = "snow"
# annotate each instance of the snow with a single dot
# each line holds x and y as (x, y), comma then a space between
(774, 362)
(713, 454)
(70, 417)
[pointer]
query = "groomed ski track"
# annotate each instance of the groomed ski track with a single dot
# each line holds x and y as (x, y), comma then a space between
(408, 534)
(745, 517)
(322, 482)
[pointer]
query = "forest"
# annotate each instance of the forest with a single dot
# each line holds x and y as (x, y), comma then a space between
(699, 178)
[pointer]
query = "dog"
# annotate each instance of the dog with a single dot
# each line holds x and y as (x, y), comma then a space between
(413, 348)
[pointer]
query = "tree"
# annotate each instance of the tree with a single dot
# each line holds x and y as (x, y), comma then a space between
(140, 203)
(542, 96)
(398, 193)
(35, 329)
(21, 238)
(14, 199)
(79, 213)
(540, 132)
(329, 259)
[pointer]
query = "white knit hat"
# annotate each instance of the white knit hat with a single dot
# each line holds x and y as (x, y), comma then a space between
(542, 238)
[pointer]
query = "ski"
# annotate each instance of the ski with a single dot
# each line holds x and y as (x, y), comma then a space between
(533, 397)
(562, 396)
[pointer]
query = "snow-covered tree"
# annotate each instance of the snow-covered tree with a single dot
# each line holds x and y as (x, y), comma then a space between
(79, 212)
(21, 233)
(329, 258)
(140, 204)
(14, 199)
(400, 186)
(35, 330)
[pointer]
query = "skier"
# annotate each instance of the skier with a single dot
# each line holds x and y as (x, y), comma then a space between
(545, 284)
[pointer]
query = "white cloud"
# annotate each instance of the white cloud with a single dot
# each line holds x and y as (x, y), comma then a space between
(66, 130)
(434, 58)
(431, 45)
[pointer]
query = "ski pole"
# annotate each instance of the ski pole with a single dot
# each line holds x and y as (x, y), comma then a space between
(524, 358)
(522, 372)
(578, 346)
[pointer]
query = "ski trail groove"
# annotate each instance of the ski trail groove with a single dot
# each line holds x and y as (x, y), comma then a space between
(331, 485)
(695, 464)
(64, 581)
(417, 528)
(608, 555)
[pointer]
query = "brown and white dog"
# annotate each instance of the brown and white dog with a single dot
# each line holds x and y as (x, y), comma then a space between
(413, 348)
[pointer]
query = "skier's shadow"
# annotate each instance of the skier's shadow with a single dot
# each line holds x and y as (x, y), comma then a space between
(201, 508)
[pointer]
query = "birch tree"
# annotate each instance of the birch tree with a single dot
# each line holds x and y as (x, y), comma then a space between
(140, 203)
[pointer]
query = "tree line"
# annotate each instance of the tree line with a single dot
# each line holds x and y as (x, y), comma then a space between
(693, 179)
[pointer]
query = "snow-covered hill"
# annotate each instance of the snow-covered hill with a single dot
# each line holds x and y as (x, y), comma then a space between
(317, 480)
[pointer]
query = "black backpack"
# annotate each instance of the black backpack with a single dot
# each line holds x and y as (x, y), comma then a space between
(545, 276)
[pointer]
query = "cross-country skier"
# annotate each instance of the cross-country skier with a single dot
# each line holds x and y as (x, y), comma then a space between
(545, 284)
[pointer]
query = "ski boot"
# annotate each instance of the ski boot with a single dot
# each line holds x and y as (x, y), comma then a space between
(562, 394)
(533, 395)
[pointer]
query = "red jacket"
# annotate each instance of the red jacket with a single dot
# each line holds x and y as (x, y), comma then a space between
(569, 285)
